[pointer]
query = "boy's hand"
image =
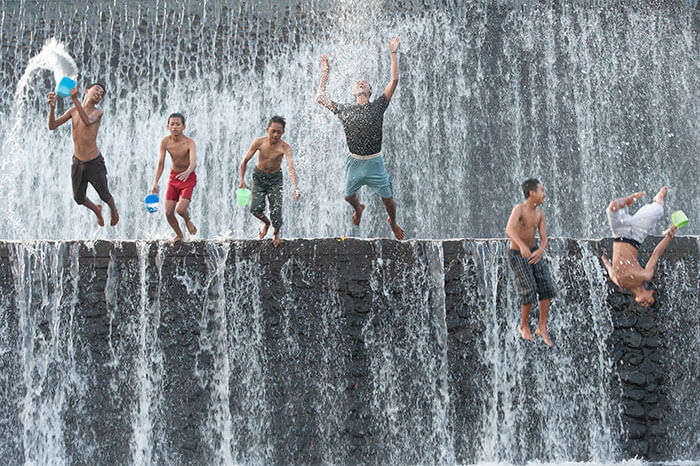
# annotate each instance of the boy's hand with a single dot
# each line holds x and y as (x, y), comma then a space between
(325, 66)
(525, 252)
(536, 256)
(182, 176)
(155, 189)
(393, 44)
(52, 99)
(296, 194)
(671, 231)
(74, 93)
(243, 186)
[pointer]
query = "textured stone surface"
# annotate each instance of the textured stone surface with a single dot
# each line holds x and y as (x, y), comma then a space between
(286, 309)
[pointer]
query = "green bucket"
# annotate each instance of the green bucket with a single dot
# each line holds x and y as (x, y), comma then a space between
(243, 196)
(678, 219)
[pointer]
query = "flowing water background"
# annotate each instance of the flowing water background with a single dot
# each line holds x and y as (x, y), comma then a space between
(596, 101)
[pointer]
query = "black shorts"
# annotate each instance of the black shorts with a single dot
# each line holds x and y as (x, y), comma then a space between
(532, 280)
(94, 172)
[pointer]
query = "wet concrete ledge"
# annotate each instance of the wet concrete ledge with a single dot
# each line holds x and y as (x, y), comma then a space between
(639, 343)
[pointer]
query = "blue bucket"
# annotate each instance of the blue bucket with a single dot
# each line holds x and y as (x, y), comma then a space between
(152, 201)
(65, 86)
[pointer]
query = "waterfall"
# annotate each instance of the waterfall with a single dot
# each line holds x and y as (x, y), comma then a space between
(336, 351)
(595, 101)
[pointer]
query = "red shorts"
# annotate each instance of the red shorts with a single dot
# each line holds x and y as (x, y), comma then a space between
(178, 189)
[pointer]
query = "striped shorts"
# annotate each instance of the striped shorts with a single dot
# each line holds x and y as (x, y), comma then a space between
(532, 280)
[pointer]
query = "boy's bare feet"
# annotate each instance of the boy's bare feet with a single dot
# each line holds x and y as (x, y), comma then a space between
(398, 231)
(177, 239)
(661, 195)
(100, 219)
(357, 216)
(263, 230)
(276, 240)
(115, 217)
(190, 227)
(525, 334)
(545, 336)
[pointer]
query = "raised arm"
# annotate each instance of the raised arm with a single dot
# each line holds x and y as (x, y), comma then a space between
(53, 122)
(512, 232)
(81, 111)
(292, 173)
(192, 147)
(658, 252)
(159, 168)
(393, 52)
(249, 155)
(321, 96)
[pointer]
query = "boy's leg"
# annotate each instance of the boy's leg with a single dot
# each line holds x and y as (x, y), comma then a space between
(390, 206)
(542, 324)
(661, 195)
(257, 203)
(525, 322)
(172, 220)
(79, 181)
(182, 210)
(97, 209)
(96, 173)
(353, 182)
(275, 198)
(357, 207)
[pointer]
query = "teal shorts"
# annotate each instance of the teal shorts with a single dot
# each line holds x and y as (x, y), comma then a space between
(370, 172)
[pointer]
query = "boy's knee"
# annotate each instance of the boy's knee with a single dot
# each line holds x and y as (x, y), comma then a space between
(80, 200)
(170, 211)
(181, 211)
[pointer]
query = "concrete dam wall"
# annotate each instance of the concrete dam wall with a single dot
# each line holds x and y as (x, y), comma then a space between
(338, 350)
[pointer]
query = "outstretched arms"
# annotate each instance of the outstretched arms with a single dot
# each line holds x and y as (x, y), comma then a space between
(53, 122)
(321, 96)
(393, 51)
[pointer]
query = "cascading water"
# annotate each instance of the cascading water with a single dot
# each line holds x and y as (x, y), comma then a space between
(595, 102)
(223, 352)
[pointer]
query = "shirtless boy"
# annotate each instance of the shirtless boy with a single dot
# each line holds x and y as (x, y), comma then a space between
(363, 122)
(629, 232)
(267, 176)
(183, 179)
(88, 165)
(525, 257)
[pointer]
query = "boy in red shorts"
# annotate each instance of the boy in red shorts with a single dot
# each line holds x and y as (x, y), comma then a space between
(182, 180)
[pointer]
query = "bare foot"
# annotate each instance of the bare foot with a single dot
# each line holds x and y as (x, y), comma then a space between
(177, 239)
(100, 219)
(263, 231)
(115, 217)
(190, 227)
(544, 335)
(661, 195)
(276, 240)
(525, 333)
(357, 216)
(398, 231)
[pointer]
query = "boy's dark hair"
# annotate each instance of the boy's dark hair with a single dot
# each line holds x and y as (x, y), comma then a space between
(177, 115)
(99, 83)
(530, 184)
(277, 119)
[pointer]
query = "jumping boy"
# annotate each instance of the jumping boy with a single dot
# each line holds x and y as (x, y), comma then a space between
(362, 123)
(629, 233)
(267, 176)
(525, 257)
(183, 179)
(88, 164)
